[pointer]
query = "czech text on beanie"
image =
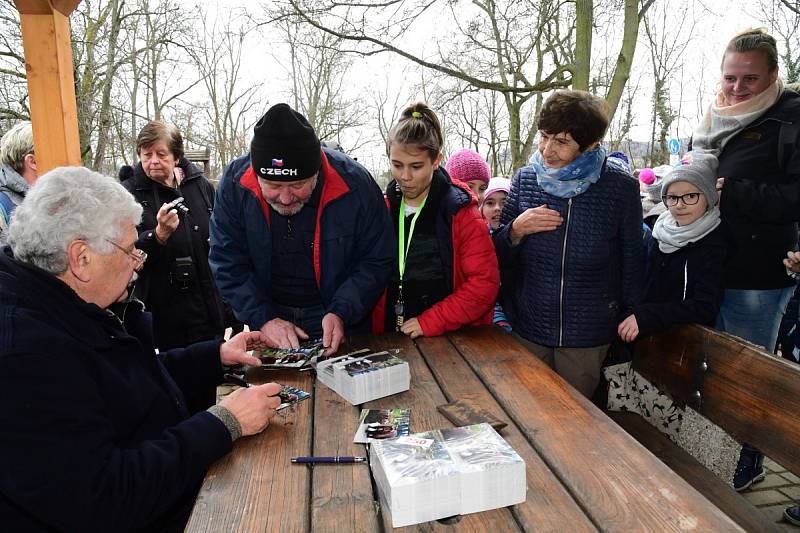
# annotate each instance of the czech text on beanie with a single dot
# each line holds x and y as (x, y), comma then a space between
(284, 146)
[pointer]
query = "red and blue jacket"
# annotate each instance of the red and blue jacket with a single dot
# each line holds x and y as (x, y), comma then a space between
(353, 252)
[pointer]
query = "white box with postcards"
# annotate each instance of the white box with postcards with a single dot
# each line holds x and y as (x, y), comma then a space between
(360, 378)
(446, 472)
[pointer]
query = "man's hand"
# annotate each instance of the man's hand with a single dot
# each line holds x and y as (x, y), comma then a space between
(792, 261)
(253, 407)
(167, 218)
(412, 328)
(332, 333)
(279, 333)
(534, 220)
(234, 352)
(628, 329)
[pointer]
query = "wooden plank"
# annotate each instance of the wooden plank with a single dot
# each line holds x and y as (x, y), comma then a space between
(423, 397)
(255, 487)
(51, 86)
(753, 395)
(342, 497)
(682, 463)
(674, 373)
(749, 392)
(548, 507)
(620, 485)
(46, 7)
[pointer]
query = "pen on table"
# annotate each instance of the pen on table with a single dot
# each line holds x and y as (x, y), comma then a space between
(341, 459)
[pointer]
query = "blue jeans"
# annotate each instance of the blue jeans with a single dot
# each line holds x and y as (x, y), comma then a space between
(754, 315)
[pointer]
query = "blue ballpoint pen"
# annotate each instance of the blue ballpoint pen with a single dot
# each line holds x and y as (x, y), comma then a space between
(342, 459)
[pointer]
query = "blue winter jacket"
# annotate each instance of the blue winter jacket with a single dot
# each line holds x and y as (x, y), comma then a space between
(353, 250)
(96, 433)
(570, 286)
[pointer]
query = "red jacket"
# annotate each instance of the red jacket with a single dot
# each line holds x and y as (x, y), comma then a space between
(475, 274)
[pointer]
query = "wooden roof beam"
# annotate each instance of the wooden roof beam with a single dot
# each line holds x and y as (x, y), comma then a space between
(51, 84)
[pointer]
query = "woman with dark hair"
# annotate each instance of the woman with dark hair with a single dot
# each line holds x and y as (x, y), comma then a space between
(446, 273)
(571, 238)
(176, 284)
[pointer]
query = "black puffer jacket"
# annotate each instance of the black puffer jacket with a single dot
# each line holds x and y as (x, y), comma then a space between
(760, 200)
(176, 284)
(570, 286)
(685, 286)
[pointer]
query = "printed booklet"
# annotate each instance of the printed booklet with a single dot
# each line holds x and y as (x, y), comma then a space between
(379, 424)
(436, 474)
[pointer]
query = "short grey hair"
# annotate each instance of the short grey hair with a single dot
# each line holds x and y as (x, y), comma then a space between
(67, 204)
(16, 144)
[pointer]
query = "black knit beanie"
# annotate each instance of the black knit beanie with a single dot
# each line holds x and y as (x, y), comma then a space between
(284, 146)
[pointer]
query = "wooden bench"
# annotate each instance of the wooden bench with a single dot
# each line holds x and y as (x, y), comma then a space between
(749, 393)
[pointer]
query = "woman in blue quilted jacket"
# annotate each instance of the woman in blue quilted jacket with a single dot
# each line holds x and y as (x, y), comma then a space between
(571, 238)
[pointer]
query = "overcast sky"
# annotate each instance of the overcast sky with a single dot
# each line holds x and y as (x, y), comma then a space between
(691, 86)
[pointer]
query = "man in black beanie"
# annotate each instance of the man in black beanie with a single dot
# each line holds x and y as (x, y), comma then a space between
(300, 241)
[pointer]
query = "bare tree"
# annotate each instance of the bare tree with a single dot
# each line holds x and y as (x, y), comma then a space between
(667, 43)
(319, 76)
(783, 18)
(493, 47)
(229, 108)
(13, 89)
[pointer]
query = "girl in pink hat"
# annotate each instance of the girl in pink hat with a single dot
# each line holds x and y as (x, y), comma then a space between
(493, 201)
(467, 166)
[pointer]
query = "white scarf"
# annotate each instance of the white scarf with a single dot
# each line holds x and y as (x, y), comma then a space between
(672, 237)
(721, 121)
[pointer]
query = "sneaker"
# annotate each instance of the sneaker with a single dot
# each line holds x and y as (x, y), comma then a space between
(792, 515)
(749, 470)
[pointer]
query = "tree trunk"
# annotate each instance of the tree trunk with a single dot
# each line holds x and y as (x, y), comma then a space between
(625, 59)
(104, 115)
(583, 44)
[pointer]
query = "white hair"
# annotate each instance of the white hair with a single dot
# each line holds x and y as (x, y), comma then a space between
(16, 144)
(67, 204)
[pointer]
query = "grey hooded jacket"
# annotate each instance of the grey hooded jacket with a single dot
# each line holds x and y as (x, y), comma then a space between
(14, 186)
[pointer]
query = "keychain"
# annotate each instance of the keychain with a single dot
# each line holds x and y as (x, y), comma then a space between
(398, 308)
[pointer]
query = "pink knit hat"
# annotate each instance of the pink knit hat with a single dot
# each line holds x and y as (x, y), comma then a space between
(497, 184)
(467, 165)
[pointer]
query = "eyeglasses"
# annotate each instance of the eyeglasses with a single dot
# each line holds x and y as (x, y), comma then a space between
(138, 256)
(690, 198)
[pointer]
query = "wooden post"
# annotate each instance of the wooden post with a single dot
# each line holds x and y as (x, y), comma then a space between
(51, 84)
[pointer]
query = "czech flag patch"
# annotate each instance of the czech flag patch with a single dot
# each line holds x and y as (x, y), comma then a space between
(277, 162)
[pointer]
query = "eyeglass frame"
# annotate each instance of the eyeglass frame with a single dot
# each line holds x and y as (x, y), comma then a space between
(139, 257)
(681, 198)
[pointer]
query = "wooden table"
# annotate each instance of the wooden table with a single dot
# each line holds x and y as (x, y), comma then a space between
(584, 473)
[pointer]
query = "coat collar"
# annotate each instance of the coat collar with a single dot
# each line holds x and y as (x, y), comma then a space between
(333, 186)
(190, 172)
(449, 195)
(12, 181)
(46, 294)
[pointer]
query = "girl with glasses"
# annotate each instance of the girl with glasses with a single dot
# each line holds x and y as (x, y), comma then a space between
(686, 254)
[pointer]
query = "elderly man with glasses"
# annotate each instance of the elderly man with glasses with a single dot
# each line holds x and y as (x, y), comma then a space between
(96, 434)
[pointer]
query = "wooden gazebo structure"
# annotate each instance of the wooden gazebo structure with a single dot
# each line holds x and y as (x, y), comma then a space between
(51, 84)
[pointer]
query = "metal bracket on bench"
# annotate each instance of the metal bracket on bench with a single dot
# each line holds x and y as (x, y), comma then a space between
(698, 382)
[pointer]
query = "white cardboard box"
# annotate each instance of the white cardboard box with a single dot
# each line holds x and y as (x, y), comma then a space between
(362, 379)
(446, 472)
